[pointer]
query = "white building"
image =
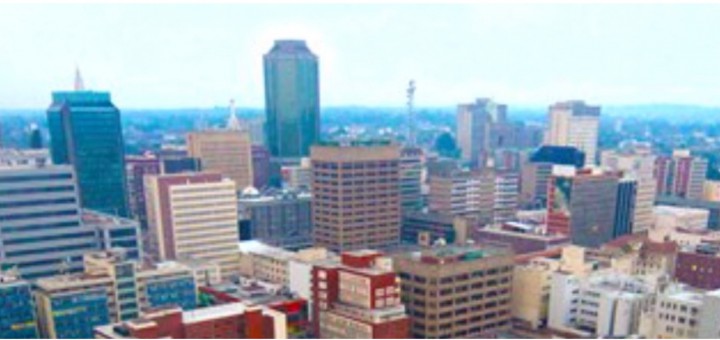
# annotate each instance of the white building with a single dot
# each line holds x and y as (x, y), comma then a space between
(682, 312)
(680, 217)
(573, 123)
(603, 304)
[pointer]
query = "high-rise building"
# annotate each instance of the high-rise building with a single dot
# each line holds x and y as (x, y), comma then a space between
(574, 123)
(85, 132)
(356, 196)
(638, 165)
(225, 151)
(625, 206)
(583, 204)
(474, 129)
(17, 315)
(456, 291)
(193, 216)
(537, 170)
(260, 166)
(136, 167)
(40, 228)
(114, 232)
(457, 192)
(681, 175)
(282, 219)
(357, 297)
(292, 99)
(411, 166)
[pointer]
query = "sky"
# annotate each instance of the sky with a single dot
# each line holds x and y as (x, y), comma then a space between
(193, 55)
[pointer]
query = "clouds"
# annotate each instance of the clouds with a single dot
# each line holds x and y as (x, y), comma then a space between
(198, 55)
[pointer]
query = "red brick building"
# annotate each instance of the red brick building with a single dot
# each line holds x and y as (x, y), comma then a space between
(359, 297)
(699, 268)
(230, 321)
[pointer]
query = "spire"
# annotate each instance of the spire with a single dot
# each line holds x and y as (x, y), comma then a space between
(79, 85)
(233, 123)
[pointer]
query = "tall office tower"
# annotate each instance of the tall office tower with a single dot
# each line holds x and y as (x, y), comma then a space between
(411, 165)
(681, 175)
(193, 216)
(17, 315)
(85, 131)
(573, 123)
(537, 170)
(292, 103)
(260, 166)
(357, 297)
(625, 206)
(456, 192)
(474, 128)
(457, 291)
(356, 196)
(40, 228)
(136, 168)
(35, 139)
(582, 204)
(505, 196)
(637, 164)
(225, 151)
(281, 219)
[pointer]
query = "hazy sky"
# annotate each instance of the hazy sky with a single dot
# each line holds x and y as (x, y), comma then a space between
(165, 56)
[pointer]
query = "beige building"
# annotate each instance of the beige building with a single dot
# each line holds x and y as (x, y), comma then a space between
(711, 190)
(356, 196)
(225, 151)
(531, 292)
(193, 216)
(666, 216)
(573, 123)
(640, 166)
(456, 291)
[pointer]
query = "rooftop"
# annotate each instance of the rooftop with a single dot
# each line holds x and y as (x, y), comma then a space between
(456, 253)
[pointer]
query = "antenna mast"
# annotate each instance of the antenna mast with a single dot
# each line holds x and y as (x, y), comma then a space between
(411, 140)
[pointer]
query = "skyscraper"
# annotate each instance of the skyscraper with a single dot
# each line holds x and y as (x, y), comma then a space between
(225, 151)
(681, 175)
(574, 123)
(638, 165)
(473, 128)
(193, 216)
(85, 132)
(583, 204)
(292, 99)
(356, 196)
(40, 227)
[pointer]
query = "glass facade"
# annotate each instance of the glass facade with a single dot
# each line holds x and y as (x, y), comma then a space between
(292, 99)
(17, 311)
(85, 131)
(76, 315)
(176, 291)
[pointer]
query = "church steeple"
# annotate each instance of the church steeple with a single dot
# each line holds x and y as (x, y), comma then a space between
(79, 85)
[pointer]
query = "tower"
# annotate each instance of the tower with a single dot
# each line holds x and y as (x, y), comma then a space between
(411, 138)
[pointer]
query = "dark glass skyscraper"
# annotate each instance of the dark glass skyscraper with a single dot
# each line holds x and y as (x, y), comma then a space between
(292, 99)
(85, 132)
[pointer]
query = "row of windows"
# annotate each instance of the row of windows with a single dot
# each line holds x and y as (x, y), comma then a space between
(48, 238)
(15, 204)
(26, 178)
(37, 190)
(14, 217)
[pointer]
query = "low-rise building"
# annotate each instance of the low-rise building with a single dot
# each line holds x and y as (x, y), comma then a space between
(17, 315)
(456, 291)
(358, 297)
(228, 321)
(680, 217)
(604, 304)
(521, 237)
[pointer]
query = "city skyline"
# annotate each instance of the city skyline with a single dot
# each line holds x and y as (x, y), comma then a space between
(605, 54)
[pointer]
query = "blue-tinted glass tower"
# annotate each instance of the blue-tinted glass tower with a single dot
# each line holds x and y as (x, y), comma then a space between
(85, 132)
(17, 315)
